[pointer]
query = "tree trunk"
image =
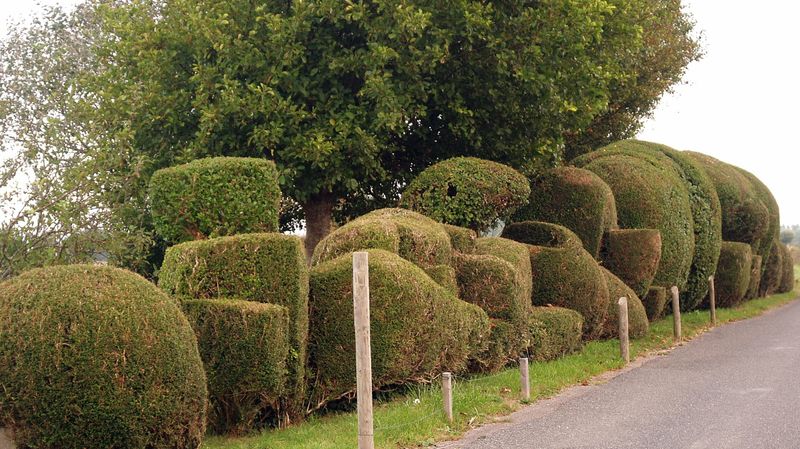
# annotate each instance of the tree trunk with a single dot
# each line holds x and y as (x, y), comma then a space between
(319, 217)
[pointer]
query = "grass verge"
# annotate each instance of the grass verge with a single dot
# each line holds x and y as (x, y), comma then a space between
(415, 418)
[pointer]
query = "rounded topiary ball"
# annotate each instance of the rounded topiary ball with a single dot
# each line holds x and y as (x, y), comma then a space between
(466, 191)
(97, 357)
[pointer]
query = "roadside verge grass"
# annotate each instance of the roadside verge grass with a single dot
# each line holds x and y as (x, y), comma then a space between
(414, 418)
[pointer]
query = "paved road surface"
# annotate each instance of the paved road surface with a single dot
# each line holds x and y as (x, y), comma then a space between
(735, 387)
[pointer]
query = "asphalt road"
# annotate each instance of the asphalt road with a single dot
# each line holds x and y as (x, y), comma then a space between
(737, 386)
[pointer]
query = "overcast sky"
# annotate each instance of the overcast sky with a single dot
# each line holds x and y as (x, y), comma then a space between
(739, 103)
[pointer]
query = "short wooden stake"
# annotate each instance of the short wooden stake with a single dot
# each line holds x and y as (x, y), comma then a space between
(712, 297)
(524, 378)
(447, 395)
(676, 313)
(366, 436)
(624, 341)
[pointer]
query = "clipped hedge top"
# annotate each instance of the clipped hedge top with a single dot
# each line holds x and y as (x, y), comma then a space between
(575, 198)
(468, 192)
(650, 193)
(215, 197)
(93, 356)
(537, 233)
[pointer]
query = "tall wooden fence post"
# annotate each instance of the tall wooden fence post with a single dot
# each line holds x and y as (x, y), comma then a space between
(366, 437)
(676, 313)
(524, 378)
(712, 299)
(624, 341)
(447, 395)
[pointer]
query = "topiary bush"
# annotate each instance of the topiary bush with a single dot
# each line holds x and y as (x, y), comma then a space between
(733, 273)
(787, 277)
(412, 236)
(554, 332)
(773, 231)
(773, 272)
(462, 239)
(649, 194)
(245, 348)
(638, 325)
(467, 192)
(418, 328)
(654, 302)
(755, 279)
(215, 197)
(97, 357)
(633, 255)
(576, 199)
(564, 273)
(265, 268)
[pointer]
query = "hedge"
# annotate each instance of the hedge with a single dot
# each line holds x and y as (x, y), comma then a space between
(97, 357)
(467, 192)
(633, 255)
(745, 217)
(461, 239)
(649, 194)
(764, 195)
(498, 279)
(444, 275)
(638, 325)
(773, 272)
(411, 235)
(564, 273)
(755, 278)
(787, 278)
(576, 199)
(733, 273)
(554, 332)
(215, 197)
(267, 268)
(654, 302)
(418, 328)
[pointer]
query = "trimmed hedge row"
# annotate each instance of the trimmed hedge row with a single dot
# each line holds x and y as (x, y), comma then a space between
(638, 324)
(654, 302)
(733, 273)
(576, 199)
(215, 197)
(633, 255)
(650, 195)
(264, 268)
(773, 272)
(555, 331)
(467, 192)
(787, 278)
(564, 273)
(409, 312)
(97, 357)
(755, 278)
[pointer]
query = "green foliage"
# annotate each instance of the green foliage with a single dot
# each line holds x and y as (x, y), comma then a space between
(214, 197)
(444, 275)
(576, 199)
(755, 278)
(555, 332)
(654, 302)
(413, 236)
(266, 268)
(787, 276)
(467, 192)
(773, 271)
(462, 239)
(650, 194)
(97, 357)
(564, 274)
(787, 236)
(633, 255)
(764, 195)
(638, 323)
(244, 346)
(408, 312)
(733, 273)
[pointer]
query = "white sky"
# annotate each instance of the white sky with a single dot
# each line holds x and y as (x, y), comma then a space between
(740, 102)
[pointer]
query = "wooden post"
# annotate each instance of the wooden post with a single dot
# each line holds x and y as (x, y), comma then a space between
(624, 341)
(676, 313)
(366, 437)
(712, 299)
(524, 378)
(447, 395)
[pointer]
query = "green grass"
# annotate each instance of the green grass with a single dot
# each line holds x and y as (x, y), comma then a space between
(415, 419)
